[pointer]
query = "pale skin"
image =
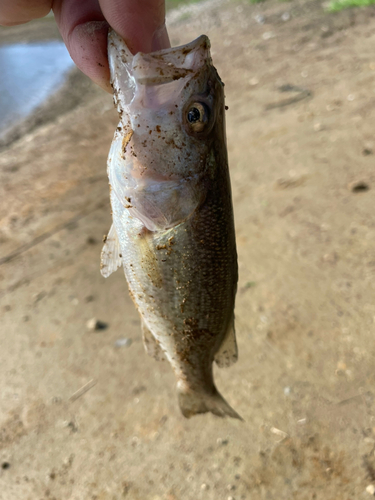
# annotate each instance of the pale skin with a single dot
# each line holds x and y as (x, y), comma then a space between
(84, 24)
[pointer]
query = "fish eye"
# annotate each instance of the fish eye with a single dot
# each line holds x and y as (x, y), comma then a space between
(197, 116)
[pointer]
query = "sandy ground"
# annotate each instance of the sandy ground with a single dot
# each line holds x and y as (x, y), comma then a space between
(303, 183)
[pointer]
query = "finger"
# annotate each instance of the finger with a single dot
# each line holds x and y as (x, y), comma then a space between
(141, 23)
(14, 12)
(84, 31)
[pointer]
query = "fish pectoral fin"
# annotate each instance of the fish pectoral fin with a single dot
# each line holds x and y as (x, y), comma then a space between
(228, 352)
(152, 346)
(111, 258)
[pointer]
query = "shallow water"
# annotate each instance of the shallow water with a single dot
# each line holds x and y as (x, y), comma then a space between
(29, 73)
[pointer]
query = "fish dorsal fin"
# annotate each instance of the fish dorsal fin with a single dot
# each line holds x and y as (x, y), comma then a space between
(111, 258)
(151, 345)
(227, 353)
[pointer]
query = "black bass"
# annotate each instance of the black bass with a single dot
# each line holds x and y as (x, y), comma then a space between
(173, 228)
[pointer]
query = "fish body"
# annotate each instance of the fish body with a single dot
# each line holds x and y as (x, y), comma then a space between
(173, 228)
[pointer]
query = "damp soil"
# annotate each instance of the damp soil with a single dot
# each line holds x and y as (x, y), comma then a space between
(85, 413)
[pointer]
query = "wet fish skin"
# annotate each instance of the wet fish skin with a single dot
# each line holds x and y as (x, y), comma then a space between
(173, 228)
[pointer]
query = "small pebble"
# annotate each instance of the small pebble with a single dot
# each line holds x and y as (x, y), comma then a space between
(367, 152)
(267, 35)
(260, 19)
(330, 257)
(351, 97)
(95, 324)
(285, 16)
(358, 186)
(222, 441)
(371, 489)
(204, 486)
(287, 391)
(123, 342)
(278, 432)
(318, 127)
(39, 296)
(254, 81)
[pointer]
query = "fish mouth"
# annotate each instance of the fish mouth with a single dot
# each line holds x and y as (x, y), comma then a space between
(157, 68)
(165, 66)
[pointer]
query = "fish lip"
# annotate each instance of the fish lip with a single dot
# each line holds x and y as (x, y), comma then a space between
(202, 42)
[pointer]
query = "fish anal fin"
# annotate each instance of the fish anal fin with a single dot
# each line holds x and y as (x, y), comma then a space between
(151, 345)
(111, 258)
(228, 352)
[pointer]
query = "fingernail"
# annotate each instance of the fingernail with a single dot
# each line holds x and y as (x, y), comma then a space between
(160, 40)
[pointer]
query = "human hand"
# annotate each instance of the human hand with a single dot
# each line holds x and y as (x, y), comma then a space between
(84, 24)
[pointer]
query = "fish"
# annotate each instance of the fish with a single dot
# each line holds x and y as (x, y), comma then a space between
(173, 226)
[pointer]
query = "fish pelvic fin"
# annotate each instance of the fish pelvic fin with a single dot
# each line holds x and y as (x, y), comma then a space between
(192, 402)
(111, 258)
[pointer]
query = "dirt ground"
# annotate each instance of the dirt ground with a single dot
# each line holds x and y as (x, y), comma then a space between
(300, 127)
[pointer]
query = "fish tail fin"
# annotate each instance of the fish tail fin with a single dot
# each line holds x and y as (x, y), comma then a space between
(193, 402)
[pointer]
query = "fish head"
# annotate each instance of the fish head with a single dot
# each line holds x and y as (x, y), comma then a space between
(170, 100)
(171, 107)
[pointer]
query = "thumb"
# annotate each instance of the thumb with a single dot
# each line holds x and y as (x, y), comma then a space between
(141, 23)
